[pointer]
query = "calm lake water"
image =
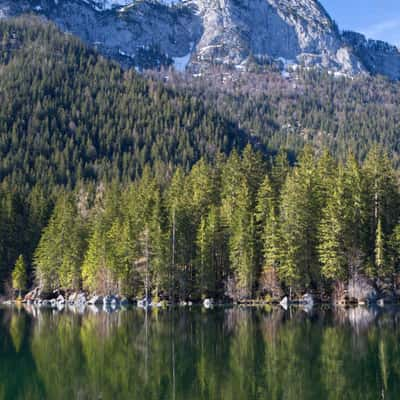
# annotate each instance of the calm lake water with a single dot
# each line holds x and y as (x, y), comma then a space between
(192, 354)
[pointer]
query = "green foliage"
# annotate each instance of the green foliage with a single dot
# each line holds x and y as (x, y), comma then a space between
(312, 108)
(69, 115)
(154, 189)
(19, 275)
(299, 215)
(58, 258)
(225, 228)
(241, 244)
(332, 231)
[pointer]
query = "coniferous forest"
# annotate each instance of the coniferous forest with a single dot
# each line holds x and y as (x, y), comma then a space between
(239, 227)
(111, 181)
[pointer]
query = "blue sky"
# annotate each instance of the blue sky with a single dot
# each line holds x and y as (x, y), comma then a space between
(377, 19)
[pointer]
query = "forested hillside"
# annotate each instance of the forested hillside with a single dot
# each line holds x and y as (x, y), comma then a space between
(67, 114)
(305, 107)
(109, 178)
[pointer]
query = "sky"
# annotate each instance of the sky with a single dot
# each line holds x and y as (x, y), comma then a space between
(377, 19)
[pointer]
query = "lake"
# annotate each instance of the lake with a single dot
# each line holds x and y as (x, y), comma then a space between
(191, 354)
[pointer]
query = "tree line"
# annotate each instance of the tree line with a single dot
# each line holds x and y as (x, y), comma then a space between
(240, 227)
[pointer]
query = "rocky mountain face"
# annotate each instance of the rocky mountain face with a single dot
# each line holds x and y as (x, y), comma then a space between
(378, 57)
(195, 35)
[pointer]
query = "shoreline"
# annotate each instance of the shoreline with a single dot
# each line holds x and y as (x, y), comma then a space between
(183, 304)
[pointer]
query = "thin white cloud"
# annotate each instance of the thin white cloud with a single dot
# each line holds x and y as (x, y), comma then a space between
(383, 27)
(388, 30)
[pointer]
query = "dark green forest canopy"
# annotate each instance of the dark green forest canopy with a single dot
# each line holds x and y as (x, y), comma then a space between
(311, 107)
(67, 114)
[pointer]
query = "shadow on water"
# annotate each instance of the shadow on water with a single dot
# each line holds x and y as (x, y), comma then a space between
(225, 353)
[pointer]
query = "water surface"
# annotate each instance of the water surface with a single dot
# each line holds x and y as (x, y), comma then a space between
(193, 354)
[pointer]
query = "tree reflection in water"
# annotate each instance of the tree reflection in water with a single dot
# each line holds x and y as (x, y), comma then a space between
(225, 353)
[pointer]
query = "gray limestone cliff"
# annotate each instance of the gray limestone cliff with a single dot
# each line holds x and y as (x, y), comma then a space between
(197, 34)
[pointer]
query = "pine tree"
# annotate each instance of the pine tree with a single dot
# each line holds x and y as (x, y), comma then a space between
(95, 274)
(204, 257)
(266, 201)
(299, 216)
(267, 233)
(272, 241)
(241, 244)
(212, 261)
(59, 255)
(394, 246)
(381, 196)
(181, 236)
(159, 261)
(19, 275)
(253, 169)
(332, 251)
(231, 180)
(279, 171)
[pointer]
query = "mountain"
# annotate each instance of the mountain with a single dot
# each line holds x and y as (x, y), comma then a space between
(68, 114)
(199, 34)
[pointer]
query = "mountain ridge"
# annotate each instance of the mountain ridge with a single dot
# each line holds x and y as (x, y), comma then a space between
(195, 35)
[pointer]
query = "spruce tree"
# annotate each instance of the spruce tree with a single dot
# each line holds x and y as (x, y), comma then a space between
(300, 209)
(332, 251)
(59, 255)
(19, 275)
(241, 244)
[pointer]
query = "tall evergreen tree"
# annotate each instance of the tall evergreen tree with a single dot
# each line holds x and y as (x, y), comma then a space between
(59, 255)
(299, 216)
(332, 231)
(19, 275)
(242, 252)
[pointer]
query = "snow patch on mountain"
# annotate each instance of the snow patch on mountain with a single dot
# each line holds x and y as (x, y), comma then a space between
(104, 5)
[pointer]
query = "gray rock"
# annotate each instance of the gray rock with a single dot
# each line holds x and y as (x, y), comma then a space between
(81, 299)
(96, 300)
(144, 303)
(124, 301)
(307, 299)
(284, 303)
(378, 57)
(208, 303)
(72, 298)
(198, 34)
(111, 299)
